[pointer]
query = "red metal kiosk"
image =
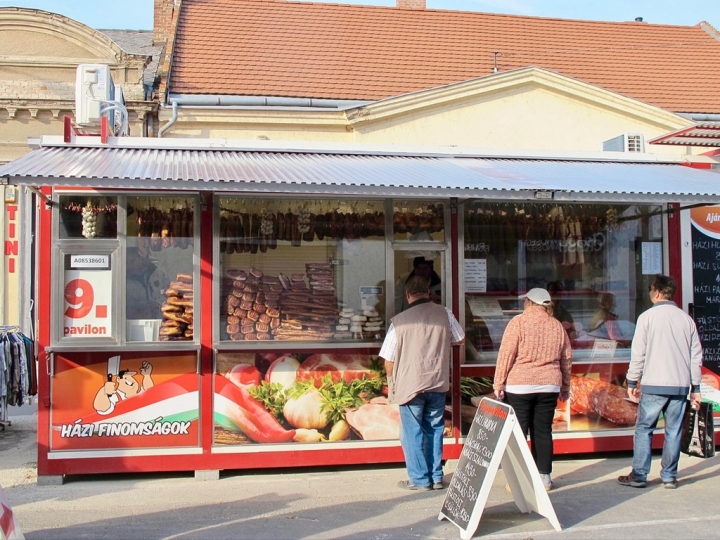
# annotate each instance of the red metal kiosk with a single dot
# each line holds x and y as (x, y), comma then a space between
(207, 304)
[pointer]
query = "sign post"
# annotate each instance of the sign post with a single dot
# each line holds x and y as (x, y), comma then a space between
(495, 438)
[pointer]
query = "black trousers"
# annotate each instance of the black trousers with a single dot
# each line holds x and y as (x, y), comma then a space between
(535, 414)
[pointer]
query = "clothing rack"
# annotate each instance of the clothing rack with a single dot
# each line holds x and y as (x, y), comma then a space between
(18, 374)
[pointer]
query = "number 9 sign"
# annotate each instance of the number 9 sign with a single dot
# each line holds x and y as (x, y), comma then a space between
(88, 303)
(80, 296)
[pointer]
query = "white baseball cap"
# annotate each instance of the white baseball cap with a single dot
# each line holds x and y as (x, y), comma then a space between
(538, 296)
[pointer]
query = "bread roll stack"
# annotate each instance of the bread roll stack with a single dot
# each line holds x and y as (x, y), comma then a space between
(177, 311)
(253, 305)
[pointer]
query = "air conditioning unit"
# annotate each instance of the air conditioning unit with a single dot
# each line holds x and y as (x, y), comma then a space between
(93, 87)
(627, 142)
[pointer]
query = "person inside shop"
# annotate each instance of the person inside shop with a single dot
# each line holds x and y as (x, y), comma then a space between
(556, 289)
(424, 268)
(139, 303)
(603, 322)
(533, 371)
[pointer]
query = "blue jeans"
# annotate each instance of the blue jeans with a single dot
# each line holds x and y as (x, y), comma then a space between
(672, 408)
(422, 424)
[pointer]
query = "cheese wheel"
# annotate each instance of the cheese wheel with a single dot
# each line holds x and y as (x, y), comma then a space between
(358, 318)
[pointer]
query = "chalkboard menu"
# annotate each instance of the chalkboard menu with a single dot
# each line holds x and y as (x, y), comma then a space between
(475, 462)
(706, 281)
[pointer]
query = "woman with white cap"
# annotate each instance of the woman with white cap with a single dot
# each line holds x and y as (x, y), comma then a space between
(533, 370)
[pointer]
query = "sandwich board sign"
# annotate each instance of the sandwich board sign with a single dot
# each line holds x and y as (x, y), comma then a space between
(495, 438)
(9, 528)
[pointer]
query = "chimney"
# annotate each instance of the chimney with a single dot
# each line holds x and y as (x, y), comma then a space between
(164, 26)
(410, 4)
(163, 16)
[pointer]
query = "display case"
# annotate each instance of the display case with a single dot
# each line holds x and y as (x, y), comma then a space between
(597, 262)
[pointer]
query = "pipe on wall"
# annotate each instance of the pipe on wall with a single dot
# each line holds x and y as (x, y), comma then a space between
(171, 121)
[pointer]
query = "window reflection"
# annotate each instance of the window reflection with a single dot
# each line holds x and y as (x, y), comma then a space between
(593, 259)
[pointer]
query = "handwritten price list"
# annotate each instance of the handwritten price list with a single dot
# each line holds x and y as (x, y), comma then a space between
(475, 458)
(706, 295)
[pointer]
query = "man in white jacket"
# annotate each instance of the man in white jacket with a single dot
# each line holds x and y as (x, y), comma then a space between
(666, 359)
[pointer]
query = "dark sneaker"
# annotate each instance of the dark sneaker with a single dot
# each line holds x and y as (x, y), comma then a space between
(406, 484)
(438, 485)
(672, 484)
(631, 481)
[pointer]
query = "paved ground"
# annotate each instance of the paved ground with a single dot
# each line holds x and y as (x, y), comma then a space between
(347, 503)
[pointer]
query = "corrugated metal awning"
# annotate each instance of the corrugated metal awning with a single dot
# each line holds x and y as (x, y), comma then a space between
(355, 174)
(701, 134)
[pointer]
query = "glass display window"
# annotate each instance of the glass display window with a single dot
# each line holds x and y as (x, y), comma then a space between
(88, 216)
(159, 275)
(596, 261)
(418, 221)
(301, 270)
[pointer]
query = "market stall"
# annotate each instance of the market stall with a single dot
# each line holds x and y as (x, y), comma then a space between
(211, 306)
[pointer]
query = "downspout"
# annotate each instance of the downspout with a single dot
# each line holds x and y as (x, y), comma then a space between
(172, 120)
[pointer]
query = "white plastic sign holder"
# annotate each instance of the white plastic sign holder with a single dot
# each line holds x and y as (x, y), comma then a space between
(520, 471)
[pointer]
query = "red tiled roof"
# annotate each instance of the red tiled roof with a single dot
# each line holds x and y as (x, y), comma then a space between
(335, 51)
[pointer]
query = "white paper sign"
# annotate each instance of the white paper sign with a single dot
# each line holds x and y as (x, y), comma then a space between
(651, 258)
(90, 261)
(604, 348)
(476, 275)
(88, 304)
(483, 306)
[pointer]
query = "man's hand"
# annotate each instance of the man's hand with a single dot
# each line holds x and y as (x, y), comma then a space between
(146, 368)
(695, 399)
(634, 394)
(564, 395)
(109, 388)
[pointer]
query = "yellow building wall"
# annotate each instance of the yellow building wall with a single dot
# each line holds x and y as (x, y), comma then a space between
(560, 115)
(522, 118)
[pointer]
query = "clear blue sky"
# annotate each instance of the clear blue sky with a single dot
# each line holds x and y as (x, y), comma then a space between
(137, 14)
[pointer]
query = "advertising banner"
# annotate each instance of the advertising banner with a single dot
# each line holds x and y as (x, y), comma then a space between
(299, 398)
(133, 400)
(706, 295)
(598, 399)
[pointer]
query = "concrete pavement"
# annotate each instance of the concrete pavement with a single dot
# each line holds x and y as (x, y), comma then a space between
(346, 503)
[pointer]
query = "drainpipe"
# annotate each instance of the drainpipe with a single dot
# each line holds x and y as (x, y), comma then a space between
(172, 120)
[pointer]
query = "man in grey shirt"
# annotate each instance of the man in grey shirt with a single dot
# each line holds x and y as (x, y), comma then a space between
(666, 359)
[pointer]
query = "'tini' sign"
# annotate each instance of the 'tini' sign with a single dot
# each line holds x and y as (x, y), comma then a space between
(11, 241)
